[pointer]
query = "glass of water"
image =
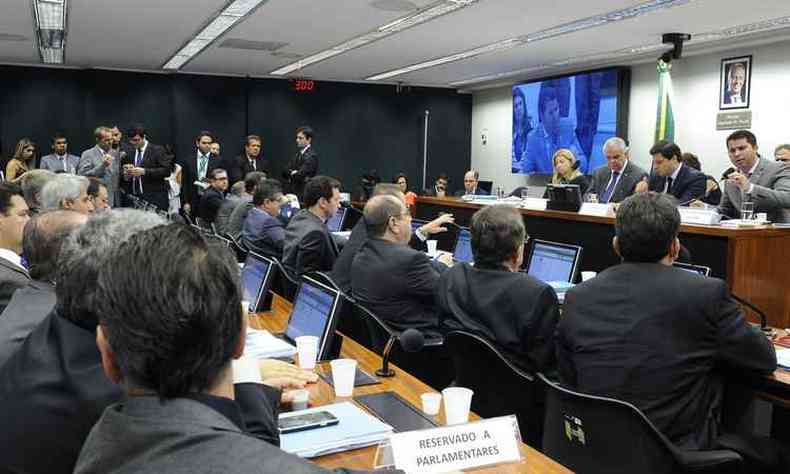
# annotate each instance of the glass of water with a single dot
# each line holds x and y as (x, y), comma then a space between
(747, 211)
(592, 197)
(524, 193)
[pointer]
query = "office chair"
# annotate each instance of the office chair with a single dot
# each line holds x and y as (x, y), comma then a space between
(347, 323)
(239, 249)
(500, 387)
(286, 284)
(592, 434)
(486, 186)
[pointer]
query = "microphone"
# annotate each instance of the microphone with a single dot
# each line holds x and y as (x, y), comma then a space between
(763, 318)
(727, 173)
(411, 340)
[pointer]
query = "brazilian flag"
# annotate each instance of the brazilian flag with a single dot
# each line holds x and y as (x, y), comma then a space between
(665, 119)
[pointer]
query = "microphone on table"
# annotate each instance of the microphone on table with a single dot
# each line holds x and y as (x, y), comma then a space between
(763, 318)
(411, 340)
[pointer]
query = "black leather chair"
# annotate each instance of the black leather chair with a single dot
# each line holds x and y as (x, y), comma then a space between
(349, 324)
(286, 284)
(500, 387)
(241, 251)
(592, 434)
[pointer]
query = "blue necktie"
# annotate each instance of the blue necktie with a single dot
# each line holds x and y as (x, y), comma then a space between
(609, 189)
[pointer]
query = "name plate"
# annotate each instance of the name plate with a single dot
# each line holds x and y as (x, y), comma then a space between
(690, 215)
(452, 448)
(536, 204)
(596, 209)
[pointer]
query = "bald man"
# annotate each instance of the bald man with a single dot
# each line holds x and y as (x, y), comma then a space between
(471, 179)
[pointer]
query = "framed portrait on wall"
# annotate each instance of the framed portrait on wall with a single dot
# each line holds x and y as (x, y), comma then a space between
(736, 83)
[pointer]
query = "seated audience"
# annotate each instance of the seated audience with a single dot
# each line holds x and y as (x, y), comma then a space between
(470, 185)
(214, 196)
(32, 183)
(308, 244)
(367, 183)
(712, 191)
(439, 188)
(782, 153)
(239, 213)
(683, 182)
(402, 181)
(341, 271)
(264, 232)
(43, 237)
(60, 161)
(764, 182)
(23, 160)
(13, 217)
(181, 412)
(390, 278)
(67, 191)
(658, 336)
(617, 179)
(566, 171)
(226, 209)
(493, 299)
(98, 194)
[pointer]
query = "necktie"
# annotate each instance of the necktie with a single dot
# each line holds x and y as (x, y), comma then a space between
(252, 165)
(202, 165)
(609, 189)
(138, 157)
(137, 182)
(669, 185)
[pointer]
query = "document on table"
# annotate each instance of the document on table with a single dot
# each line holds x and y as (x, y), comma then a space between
(261, 344)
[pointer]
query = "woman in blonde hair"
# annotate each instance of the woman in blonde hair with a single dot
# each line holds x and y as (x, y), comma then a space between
(23, 160)
(566, 171)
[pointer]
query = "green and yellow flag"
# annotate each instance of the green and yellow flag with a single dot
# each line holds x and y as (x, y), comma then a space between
(665, 119)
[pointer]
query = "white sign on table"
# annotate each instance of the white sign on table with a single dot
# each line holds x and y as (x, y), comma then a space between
(596, 209)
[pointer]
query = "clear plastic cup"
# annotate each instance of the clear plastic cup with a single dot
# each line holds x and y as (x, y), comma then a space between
(431, 402)
(300, 399)
(457, 401)
(343, 374)
(307, 348)
(432, 247)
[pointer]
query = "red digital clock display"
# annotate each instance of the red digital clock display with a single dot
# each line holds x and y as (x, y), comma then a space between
(303, 85)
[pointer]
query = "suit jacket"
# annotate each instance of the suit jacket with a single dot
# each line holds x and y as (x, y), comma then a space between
(190, 194)
(397, 283)
(309, 246)
(729, 95)
(28, 307)
(52, 163)
(238, 167)
(157, 164)
(688, 185)
(91, 164)
(514, 311)
(263, 234)
(659, 337)
(12, 278)
(306, 166)
(771, 193)
(224, 212)
(142, 435)
(631, 175)
(478, 192)
(238, 216)
(540, 151)
(210, 202)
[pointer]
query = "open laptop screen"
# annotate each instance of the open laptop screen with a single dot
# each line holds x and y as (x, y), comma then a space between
(704, 271)
(551, 261)
(335, 224)
(463, 247)
(255, 279)
(313, 312)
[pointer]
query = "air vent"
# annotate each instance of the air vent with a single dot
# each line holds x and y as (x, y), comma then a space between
(238, 43)
(10, 37)
(394, 5)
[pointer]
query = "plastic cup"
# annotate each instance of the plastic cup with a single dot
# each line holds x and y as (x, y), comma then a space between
(300, 399)
(587, 275)
(431, 247)
(457, 401)
(245, 306)
(307, 348)
(747, 211)
(431, 403)
(343, 373)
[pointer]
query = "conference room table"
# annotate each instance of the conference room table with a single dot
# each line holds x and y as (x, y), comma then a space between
(405, 385)
(754, 261)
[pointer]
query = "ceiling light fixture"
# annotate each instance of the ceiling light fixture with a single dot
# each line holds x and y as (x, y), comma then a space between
(50, 18)
(232, 14)
(567, 28)
(428, 13)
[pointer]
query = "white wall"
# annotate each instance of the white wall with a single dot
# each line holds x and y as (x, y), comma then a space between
(695, 81)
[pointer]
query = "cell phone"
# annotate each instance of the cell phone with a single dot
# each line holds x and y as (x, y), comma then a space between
(306, 421)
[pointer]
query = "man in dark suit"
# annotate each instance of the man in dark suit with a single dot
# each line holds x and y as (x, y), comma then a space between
(341, 271)
(304, 165)
(182, 411)
(655, 335)
(264, 232)
(249, 161)
(214, 195)
(470, 185)
(390, 278)
(145, 168)
(763, 182)
(14, 214)
(671, 176)
(494, 300)
(197, 168)
(618, 178)
(308, 244)
(43, 238)
(439, 188)
(736, 85)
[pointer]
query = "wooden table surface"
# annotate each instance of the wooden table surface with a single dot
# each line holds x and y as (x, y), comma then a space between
(402, 383)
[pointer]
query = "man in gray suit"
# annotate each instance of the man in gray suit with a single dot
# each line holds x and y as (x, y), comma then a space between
(763, 182)
(616, 180)
(13, 217)
(180, 413)
(102, 162)
(60, 161)
(43, 237)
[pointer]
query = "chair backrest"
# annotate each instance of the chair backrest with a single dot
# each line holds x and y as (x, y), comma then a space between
(378, 331)
(241, 252)
(350, 324)
(587, 433)
(286, 284)
(486, 186)
(500, 387)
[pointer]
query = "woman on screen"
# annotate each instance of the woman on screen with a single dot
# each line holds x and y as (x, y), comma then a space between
(566, 171)
(522, 124)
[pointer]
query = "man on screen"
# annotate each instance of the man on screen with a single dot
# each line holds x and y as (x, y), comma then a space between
(551, 134)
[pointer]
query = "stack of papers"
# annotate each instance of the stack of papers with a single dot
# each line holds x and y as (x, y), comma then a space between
(356, 429)
(261, 344)
(783, 358)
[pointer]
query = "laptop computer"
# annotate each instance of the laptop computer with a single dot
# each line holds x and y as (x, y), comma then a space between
(335, 223)
(554, 263)
(704, 271)
(257, 275)
(314, 313)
